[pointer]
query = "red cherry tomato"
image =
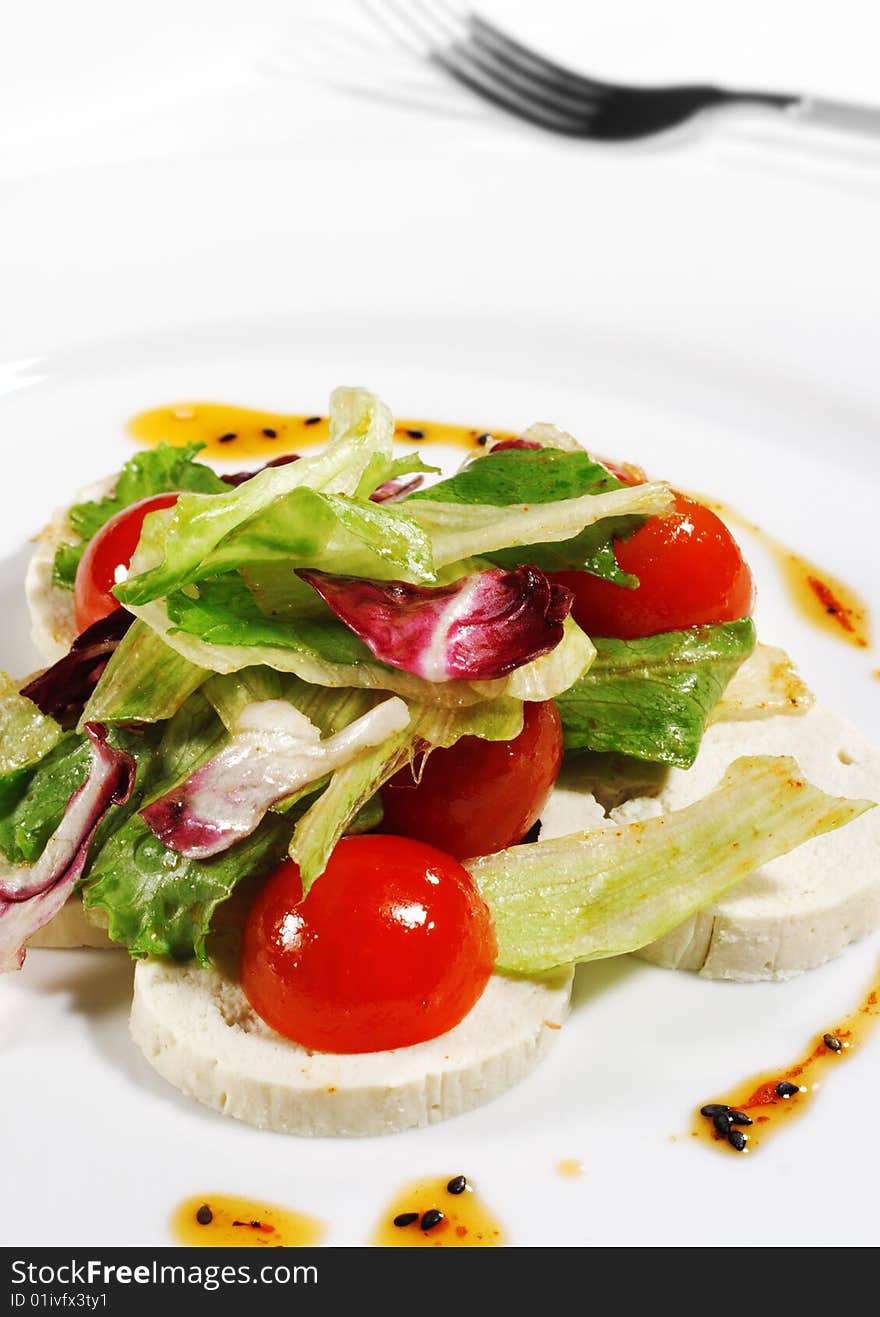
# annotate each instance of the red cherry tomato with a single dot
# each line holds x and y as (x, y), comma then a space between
(393, 945)
(479, 796)
(110, 550)
(690, 571)
(625, 471)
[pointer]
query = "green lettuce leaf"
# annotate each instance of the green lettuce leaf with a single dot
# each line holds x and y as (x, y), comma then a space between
(381, 469)
(156, 901)
(543, 475)
(159, 903)
(329, 708)
(157, 470)
(591, 551)
(31, 812)
(600, 894)
(26, 734)
(652, 698)
(184, 543)
(145, 681)
(464, 530)
(194, 735)
(34, 803)
(305, 528)
(546, 475)
(354, 785)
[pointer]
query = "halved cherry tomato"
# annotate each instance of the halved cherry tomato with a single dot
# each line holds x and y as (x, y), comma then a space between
(691, 573)
(479, 796)
(393, 945)
(107, 557)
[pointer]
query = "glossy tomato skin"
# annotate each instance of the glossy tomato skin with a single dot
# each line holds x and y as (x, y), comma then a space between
(479, 796)
(393, 945)
(110, 548)
(691, 573)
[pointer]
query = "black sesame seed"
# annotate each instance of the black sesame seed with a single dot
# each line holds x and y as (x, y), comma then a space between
(457, 1184)
(722, 1122)
(226, 438)
(740, 1118)
(432, 1218)
(312, 420)
(832, 1042)
(713, 1109)
(415, 434)
(406, 1218)
(785, 1089)
(204, 1215)
(270, 433)
(737, 1139)
(483, 439)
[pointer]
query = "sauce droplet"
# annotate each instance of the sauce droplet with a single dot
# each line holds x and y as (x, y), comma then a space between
(230, 433)
(770, 1100)
(570, 1168)
(430, 1215)
(820, 598)
(224, 1221)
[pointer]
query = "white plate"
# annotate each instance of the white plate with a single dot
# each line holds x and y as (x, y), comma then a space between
(688, 309)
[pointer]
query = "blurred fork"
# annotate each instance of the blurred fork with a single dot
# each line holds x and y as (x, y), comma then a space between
(516, 78)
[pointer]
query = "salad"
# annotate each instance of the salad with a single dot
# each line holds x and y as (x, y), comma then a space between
(304, 728)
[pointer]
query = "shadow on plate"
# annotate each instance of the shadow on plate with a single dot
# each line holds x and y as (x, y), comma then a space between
(96, 984)
(17, 656)
(598, 977)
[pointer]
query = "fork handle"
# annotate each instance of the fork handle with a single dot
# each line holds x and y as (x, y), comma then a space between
(845, 116)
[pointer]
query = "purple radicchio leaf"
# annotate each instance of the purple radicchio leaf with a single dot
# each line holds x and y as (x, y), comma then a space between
(506, 445)
(63, 690)
(237, 478)
(274, 751)
(31, 895)
(479, 628)
(392, 490)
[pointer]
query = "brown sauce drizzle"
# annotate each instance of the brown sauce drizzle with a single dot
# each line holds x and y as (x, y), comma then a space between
(437, 1213)
(819, 597)
(758, 1097)
(230, 433)
(223, 1221)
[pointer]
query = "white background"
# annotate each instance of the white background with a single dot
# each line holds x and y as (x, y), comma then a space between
(259, 202)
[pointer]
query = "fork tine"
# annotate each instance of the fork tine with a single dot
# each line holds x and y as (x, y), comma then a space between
(447, 40)
(558, 102)
(516, 55)
(472, 73)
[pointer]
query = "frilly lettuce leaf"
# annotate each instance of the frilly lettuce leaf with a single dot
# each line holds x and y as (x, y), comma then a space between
(352, 786)
(599, 894)
(459, 530)
(144, 681)
(768, 683)
(176, 544)
(26, 734)
(652, 698)
(543, 475)
(157, 470)
(159, 903)
(521, 476)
